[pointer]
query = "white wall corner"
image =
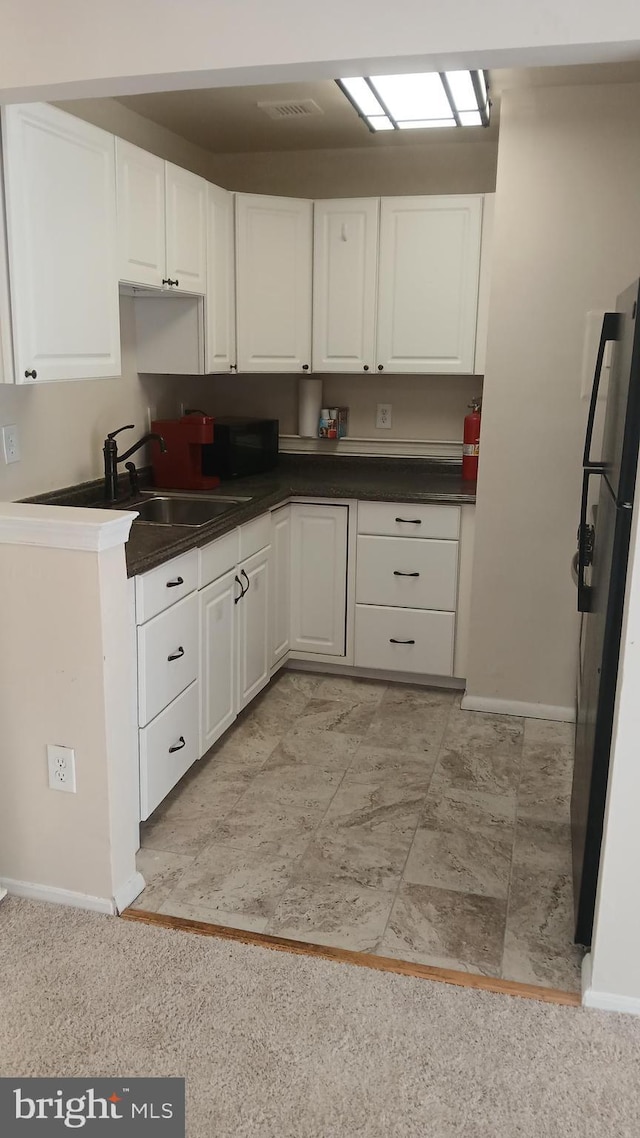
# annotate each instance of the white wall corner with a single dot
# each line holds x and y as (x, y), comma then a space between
(125, 894)
(518, 707)
(32, 892)
(63, 527)
(605, 1001)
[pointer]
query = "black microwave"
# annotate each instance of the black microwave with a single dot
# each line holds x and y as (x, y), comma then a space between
(241, 447)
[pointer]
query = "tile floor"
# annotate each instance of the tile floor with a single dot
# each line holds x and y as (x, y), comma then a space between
(381, 818)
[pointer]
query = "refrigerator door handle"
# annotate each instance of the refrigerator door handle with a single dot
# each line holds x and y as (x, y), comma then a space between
(610, 331)
(586, 535)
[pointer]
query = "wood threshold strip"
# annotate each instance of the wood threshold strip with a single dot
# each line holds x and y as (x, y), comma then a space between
(361, 959)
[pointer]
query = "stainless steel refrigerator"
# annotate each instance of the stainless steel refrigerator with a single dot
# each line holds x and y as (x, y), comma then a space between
(608, 484)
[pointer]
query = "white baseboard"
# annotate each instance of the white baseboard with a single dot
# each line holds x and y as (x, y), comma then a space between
(128, 892)
(56, 896)
(605, 1001)
(518, 707)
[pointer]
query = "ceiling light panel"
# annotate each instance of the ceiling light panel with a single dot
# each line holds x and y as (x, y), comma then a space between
(420, 101)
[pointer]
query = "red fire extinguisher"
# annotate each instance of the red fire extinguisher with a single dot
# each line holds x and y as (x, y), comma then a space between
(471, 441)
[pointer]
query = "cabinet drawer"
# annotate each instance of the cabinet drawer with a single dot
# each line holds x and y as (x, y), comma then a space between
(167, 657)
(408, 574)
(254, 536)
(168, 747)
(408, 519)
(217, 558)
(162, 587)
(428, 636)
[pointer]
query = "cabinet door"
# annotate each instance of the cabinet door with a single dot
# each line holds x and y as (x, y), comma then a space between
(274, 240)
(141, 226)
(428, 283)
(217, 658)
(6, 344)
(61, 229)
(252, 626)
(280, 607)
(318, 579)
(221, 283)
(345, 261)
(186, 215)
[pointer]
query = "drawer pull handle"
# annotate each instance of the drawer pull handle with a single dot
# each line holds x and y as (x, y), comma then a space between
(176, 655)
(399, 573)
(176, 581)
(410, 521)
(394, 641)
(243, 574)
(242, 590)
(177, 746)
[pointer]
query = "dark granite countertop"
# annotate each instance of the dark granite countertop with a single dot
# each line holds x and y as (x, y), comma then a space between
(305, 476)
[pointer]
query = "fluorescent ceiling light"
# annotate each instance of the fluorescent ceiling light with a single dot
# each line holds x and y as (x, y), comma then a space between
(420, 101)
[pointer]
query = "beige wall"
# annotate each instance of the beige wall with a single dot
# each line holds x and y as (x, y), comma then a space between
(566, 240)
(67, 660)
(435, 168)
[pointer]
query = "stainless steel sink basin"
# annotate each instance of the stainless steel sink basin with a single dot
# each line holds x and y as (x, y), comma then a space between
(183, 511)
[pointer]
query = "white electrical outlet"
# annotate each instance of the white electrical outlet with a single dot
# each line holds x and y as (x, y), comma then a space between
(383, 415)
(11, 444)
(61, 762)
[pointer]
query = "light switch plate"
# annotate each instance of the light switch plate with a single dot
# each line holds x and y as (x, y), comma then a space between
(11, 444)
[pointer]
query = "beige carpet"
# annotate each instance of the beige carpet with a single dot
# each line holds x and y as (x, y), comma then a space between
(287, 1046)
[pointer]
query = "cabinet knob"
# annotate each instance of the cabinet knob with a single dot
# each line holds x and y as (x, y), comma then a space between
(177, 746)
(31, 374)
(380, 367)
(366, 367)
(233, 367)
(305, 367)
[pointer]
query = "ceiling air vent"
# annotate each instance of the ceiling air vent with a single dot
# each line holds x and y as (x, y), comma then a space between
(291, 109)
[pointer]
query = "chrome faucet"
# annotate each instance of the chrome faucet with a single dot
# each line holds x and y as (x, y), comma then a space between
(112, 458)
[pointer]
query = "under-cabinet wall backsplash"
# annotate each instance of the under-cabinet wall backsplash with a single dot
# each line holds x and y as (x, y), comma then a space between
(423, 407)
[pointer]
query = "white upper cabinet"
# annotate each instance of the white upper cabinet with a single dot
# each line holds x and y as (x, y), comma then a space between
(428, 283)
(345, 259)
(141, 210)
(6, 343)
(61, 231)
(186, 214)
(221, 308)
(274, 247)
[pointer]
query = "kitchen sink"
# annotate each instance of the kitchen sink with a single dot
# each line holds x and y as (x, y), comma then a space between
(183, 511)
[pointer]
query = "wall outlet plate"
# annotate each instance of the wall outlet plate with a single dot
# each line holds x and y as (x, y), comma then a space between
(11, 444)
(61, 762)
(383, 416)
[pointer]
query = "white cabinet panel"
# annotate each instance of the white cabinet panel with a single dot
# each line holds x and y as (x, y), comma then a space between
(407, 574)
(141, 215)
(221, 283)
(408, 519)
(428, 283)
(280, 607)
(160, 588)
(274, 244)
(318, 578)
(345, 257)
(168, 747)
(6, 340)
(217, 658)
(405, 640)
(252, 617)
(167, 657)
(61, 228)
(186, 215)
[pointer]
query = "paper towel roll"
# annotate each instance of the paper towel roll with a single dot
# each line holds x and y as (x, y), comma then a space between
(309, 404)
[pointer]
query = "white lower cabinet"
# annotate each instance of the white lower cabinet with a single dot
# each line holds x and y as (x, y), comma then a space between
(318, 579)
(168, 747)
(217, 658)
(280, 603)
(253, 643)
(404, 640)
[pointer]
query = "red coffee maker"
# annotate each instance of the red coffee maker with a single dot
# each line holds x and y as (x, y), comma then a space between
(180, 467)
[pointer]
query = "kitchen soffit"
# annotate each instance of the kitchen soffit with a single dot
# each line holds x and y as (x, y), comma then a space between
(230, 120)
